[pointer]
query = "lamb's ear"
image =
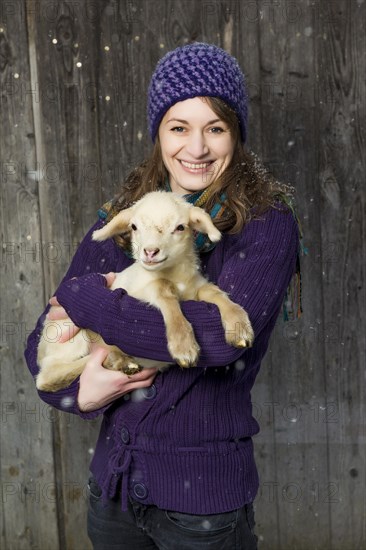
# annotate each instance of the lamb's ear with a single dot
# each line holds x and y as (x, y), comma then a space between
(119, 224)
(200, 221)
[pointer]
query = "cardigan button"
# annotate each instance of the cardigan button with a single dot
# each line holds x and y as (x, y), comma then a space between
(150, 392)
(125, 436)
(140, 490)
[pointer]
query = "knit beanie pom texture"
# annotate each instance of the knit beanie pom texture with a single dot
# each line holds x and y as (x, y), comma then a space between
(197, 70)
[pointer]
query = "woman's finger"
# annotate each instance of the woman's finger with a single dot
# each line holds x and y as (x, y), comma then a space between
(141, 384)
(56, 312)
(53, 301)
(148, 372)
(68, 331)
(143, 376)
(97, 355)
(110, 278)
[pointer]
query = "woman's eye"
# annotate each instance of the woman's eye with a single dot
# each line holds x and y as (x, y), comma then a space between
(177, 129)
(216, 130)
(133, 227)
(180, 227)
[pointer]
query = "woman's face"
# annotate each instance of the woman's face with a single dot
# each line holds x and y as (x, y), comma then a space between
(196, 145)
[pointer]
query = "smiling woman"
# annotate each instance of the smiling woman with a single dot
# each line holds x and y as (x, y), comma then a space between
(195, 149)
(174, 465)
(205, 152)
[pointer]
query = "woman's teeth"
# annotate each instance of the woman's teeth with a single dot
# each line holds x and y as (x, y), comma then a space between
(195, 166)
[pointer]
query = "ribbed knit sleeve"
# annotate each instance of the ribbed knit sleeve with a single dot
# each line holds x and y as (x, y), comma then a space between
(89, 257)
(255, 272)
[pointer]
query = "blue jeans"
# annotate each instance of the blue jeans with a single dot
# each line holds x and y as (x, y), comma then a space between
(148, 527)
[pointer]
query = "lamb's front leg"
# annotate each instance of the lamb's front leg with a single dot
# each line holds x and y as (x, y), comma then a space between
(235, 320)
(182, 344)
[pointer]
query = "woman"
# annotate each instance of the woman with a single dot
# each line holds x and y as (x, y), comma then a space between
(173, 466)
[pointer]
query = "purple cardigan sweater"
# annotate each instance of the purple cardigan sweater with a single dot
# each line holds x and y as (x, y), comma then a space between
(184, 443)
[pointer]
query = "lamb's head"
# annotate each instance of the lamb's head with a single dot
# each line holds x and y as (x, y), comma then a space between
(161, 225)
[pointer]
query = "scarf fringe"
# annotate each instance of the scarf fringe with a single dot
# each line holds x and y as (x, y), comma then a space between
(292, 303)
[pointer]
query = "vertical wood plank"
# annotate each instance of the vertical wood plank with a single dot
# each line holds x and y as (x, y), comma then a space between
(27, 462)
(340, 54)
(294, 384)
(63, 42)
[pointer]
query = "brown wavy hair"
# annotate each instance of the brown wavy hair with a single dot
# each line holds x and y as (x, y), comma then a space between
(245, 181)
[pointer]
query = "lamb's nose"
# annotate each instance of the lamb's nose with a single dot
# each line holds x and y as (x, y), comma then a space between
(150, 253)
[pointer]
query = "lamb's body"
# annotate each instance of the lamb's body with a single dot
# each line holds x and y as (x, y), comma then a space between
(165, 272)
(136, 283)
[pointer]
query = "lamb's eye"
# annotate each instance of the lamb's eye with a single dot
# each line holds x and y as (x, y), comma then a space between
(180, 227)
(133, 227)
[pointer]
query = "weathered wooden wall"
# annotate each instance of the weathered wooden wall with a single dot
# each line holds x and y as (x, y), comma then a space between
(73, 78)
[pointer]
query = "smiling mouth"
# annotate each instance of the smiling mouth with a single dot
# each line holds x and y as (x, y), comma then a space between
(196, 166)
(153, 262)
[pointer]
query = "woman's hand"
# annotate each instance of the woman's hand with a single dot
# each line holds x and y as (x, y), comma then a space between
(57, 313)
(66, 327)
(99, 386)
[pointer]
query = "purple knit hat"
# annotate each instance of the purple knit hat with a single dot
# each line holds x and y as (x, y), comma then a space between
(197, 70)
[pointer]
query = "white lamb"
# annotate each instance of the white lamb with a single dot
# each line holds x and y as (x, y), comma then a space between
(166, 270)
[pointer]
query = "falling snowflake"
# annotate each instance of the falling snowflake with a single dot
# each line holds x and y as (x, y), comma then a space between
(67, 402)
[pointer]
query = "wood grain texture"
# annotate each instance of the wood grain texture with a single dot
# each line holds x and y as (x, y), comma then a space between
(27, 467)
(74, 78)
(294, 387)
(63, 55)
(340, 54)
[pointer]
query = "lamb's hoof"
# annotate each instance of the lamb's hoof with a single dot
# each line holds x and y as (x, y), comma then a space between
(186, 364)
(131, 369)
(120, 362)
(243, 343)
(184, 349)
(245, 340)
(187, 359)
(239, 332)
